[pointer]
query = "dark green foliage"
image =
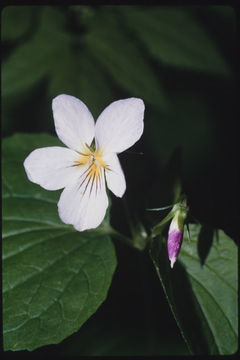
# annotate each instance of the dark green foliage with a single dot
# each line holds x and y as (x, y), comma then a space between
(54, 278)
(181, 61)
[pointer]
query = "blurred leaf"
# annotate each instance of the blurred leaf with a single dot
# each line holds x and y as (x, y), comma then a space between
(17, 21)
(76, 73)
(83, 13)
(223, 17)
(52, 53)
(191, 114)
(113, 47)
(33, 60)
(54, 278)
(226, 12)
(175, 37)
(203, 298)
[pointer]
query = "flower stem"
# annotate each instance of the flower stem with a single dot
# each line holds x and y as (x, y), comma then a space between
(119, 236)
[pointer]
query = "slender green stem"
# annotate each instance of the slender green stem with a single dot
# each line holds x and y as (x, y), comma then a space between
(119, 236)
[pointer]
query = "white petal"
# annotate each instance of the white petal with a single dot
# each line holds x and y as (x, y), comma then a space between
(84, 204)
(114, 175)
(120, 125)
(74, 123)
(51, 167)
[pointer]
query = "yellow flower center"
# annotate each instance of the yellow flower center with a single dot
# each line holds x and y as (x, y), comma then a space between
(95, 161)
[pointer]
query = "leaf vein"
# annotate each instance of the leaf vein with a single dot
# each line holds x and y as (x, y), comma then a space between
(47, 267)
(34, 244)
(20, 196)
(15, 218)
(214, 300)
(211, 270)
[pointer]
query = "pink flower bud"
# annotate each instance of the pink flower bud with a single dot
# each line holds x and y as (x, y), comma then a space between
(175, 236)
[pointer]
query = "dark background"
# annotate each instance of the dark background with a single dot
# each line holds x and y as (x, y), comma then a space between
(185, 71)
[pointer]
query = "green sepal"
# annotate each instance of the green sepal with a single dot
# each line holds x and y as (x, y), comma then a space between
(179, 211)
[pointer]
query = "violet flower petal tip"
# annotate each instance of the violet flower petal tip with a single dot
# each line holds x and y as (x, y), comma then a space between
(173, 260)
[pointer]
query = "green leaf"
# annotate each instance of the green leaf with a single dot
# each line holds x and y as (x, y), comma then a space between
(57, 55)
(34, 59)
(78, 74)
(54, 278)
(175, 37)
(112, 46)
(17, 21)
(203, 298)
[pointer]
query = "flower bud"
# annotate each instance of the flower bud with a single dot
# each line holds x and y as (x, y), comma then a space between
(175, 233)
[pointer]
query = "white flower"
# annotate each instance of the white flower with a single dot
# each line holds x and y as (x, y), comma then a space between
(84, 168)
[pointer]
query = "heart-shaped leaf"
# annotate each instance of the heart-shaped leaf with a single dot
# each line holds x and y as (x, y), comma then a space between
(202, 295)
(54, 278)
